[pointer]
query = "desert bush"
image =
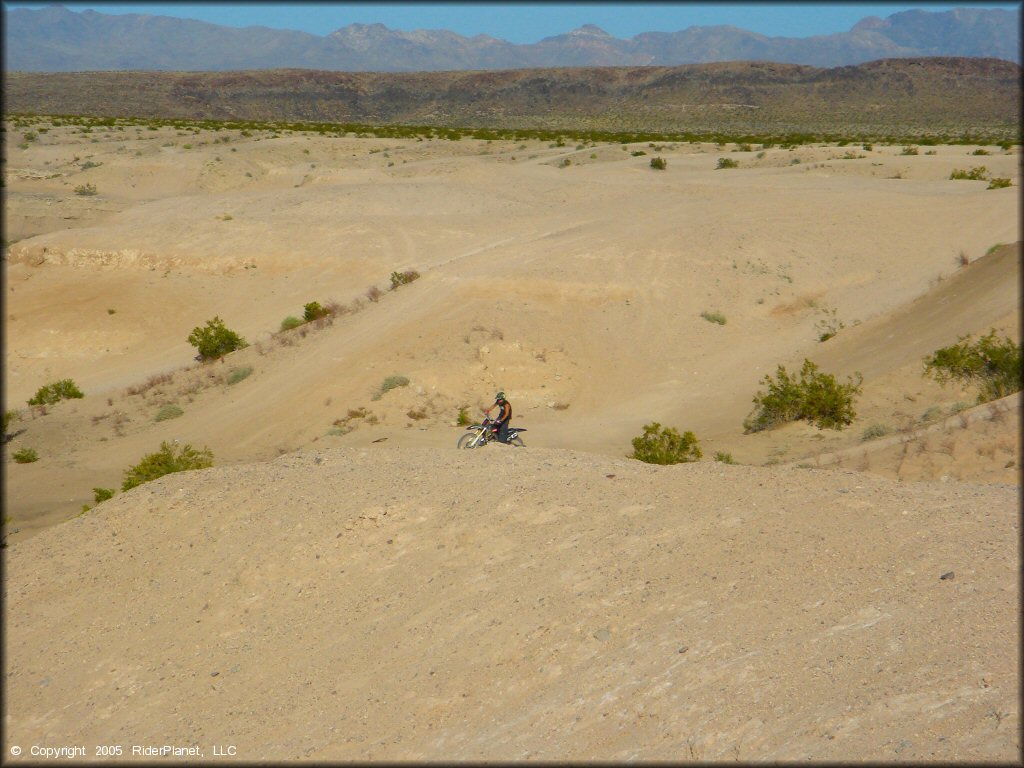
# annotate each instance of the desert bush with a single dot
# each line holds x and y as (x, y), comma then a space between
(313, 311)
(994, 365)
(829, 325)
(85, 190)
(65, 389)
(999, 183)
(979, 173)
(373, 293)
(875, 431)
(102, 494)
(417, 413)
(909, 151)
(9, 418)
(215, 340)
(637, 153)
(713, 317)
(726, 162)
(393, 382)
(164, 462)
(980, 152)
(238, 374)
(290, 322)
(168, 412)
(463, 419)
(25, 456)
(659, 163)
(815, 397)
(403, 278)
(725, 458)
(658, 446)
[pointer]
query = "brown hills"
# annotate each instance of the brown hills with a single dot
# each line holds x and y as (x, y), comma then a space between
(894, 97)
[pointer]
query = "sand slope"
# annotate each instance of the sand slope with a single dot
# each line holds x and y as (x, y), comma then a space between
(363, 590)
(418, 604)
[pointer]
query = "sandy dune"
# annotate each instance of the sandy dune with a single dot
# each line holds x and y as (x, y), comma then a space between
(341, 568)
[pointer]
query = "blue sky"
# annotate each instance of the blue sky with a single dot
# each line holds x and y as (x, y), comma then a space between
(522, 22)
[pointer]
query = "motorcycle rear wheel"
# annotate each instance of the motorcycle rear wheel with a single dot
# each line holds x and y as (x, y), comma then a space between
(517, 442)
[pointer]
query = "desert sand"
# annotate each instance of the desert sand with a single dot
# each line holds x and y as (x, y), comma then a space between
(344, 585)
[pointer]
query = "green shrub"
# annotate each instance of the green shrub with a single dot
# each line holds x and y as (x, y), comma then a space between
(725, 458)
(657, 446)
(993, 364)
(9, 418)
(164, 462)
(65, 389)
(391, 382)
(980, 173)
(659, 163)
(463, 419)
(875, 431)
(980, 152)
(403, 278)
(713, 317)
(313, 311)
(829, 325)
(168, 412)
(102, 494)
(999, 183)
(726, 162)
(215, 340)
(638, 153)
(85, 190)
(237, 374)
(25, 456)
(290, 322)
(909, 151)
(815, 397)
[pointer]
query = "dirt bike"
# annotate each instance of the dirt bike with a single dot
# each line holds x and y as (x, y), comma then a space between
(479, 435)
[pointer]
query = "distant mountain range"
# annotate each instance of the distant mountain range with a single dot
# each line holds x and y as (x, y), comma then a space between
(55, 39)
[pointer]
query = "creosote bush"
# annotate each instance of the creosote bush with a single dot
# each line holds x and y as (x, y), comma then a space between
(25, 456)
(980, 173)
(992, 364)
(290, 322)
(713, 317)
(726, 162)
(65, 389)
(815, 397)
(102, 494)
(658, 446)
(85, 190)
(403, 278)
(215, 340)
(313, 311)
(164, 462)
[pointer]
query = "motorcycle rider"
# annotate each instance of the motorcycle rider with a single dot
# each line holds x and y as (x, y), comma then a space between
(500, 424)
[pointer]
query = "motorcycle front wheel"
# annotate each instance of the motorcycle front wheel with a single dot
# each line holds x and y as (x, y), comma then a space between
(467, 440)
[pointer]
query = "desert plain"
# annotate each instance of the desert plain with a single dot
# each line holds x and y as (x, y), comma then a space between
(343, 584)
